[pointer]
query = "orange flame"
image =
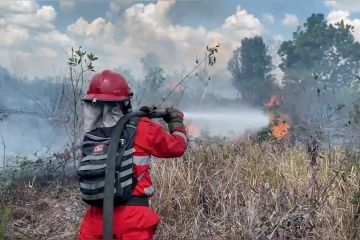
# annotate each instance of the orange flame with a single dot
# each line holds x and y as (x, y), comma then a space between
(279, 126)
(280, 129)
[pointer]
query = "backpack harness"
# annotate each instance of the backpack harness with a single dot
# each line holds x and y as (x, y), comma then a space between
(106, 167)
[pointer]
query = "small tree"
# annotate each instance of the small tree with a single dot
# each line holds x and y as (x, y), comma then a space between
(154, 77)
(80, 62)
(251, 69)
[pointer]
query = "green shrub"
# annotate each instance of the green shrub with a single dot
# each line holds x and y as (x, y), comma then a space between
(5, 215)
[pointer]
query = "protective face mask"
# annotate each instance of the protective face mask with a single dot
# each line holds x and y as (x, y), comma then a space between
(110, 115)
(101, 114)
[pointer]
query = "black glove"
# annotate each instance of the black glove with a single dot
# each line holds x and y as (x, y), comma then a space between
(175, 120)
(173, 114)
(146, 109)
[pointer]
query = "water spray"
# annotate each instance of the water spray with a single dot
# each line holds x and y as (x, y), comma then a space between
(228, 122)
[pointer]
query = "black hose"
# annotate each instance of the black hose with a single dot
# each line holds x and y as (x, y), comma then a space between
(108, 204)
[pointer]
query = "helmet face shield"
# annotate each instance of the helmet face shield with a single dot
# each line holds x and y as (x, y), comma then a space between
(122, 108)
(104, 114)
(114, 108)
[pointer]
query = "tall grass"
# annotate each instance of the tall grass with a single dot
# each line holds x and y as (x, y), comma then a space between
(5, 215)
(258, 191)
(222, 191)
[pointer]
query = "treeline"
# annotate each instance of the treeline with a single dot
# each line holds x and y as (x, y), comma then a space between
(321, 66)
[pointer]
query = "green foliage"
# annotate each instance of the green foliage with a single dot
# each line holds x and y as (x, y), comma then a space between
(154, 79)
(5, 215)
(264, 134)
(5, 183)
(212, 54)
(80, 62)
(154, 74)
(77, 58)
(251, 68)
(322, 51)
(26, 171)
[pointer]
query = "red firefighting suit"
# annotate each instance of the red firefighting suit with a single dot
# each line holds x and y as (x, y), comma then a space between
(138, 222)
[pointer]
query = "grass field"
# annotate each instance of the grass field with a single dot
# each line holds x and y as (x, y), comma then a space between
(223, 191)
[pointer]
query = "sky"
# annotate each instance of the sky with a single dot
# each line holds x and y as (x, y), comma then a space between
(36, 35)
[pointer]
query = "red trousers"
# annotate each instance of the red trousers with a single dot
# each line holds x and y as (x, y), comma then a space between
(130, 223)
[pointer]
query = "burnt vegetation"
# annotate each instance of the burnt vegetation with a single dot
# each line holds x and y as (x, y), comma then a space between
(296, 179)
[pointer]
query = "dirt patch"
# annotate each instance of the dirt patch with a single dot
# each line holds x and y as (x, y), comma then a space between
(40, 214)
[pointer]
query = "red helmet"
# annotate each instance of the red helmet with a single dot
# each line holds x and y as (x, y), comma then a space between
(108, 86)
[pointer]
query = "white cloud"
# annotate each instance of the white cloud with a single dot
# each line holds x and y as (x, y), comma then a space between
(55, 38)
(290, 20)
(70, 5)
(19, 22)
(97, 36)
(12, 34)
(268, 17)
(338, 15)
(243, 23)
(330, 3)
(140, 29)
(26, 14)
(41, 18)
(153, 14)
(117, 5)
(46, 52)
(98, 27)
(18, 6)
(148, 29)
(347, 5)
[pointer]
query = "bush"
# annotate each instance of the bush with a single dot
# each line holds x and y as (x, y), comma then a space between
(5, 216)
(43, 169)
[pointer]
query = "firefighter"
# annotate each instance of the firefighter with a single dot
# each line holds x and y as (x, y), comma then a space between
(107, 99)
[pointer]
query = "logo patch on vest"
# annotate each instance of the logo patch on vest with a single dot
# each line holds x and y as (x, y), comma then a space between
(99, 149)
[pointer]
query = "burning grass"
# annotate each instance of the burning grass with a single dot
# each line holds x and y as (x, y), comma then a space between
(224, 191)
(280, 128)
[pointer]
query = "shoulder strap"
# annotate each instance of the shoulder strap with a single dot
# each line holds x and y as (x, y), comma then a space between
(108, 204)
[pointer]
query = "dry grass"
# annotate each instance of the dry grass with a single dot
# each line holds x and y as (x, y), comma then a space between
(253, 191)
(52, 213)
(244, 191)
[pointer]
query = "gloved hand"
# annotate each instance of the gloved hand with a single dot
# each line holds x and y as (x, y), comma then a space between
(175, 120)
(146, 109)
